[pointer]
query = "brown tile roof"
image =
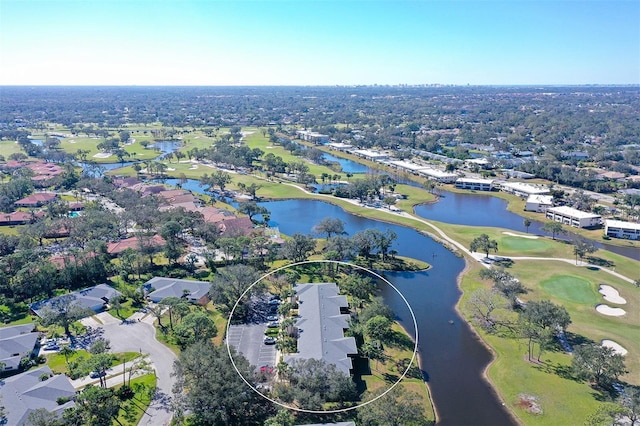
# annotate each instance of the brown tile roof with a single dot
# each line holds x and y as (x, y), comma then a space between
(18, 218)
(36, 199)
(120, 246)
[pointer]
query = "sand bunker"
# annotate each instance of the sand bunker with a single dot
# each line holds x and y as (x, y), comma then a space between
(102, 155)
(531, 237)
(610, 294)
(612, 312)
(194, 167)
(72, 141)
(615, 346)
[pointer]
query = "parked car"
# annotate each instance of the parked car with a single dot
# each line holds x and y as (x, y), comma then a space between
(51, 347)
(97, 374)
(272, 318)
(268, 340)
(273, 324)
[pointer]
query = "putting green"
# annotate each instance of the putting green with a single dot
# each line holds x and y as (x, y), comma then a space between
(571, 289)
(523, 244)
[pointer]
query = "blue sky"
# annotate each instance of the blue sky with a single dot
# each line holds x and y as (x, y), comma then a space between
(330, 42)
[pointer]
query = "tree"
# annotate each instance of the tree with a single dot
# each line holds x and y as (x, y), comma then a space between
(330, 226)
(527, 223)
(378, 328)
(554, 227)
(482, 304)
(359, 287)
(389, 200)
(600, 365)
(299, 247)
(397, 407)
(173, 304)
(547, 315)
(582, 247)
(64, 313)
(67, 352)
(251, 208)
(484, 244)
(195, 326)
(209, 388)
(97, 406)
(228, 286)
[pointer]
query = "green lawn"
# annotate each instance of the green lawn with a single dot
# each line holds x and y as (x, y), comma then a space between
(563, 400)
(571, 288)
(143, 387)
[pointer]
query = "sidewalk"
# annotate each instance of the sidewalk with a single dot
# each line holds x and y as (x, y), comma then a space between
(114, 377)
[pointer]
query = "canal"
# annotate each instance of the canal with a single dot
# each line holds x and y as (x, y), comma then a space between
(452, 358)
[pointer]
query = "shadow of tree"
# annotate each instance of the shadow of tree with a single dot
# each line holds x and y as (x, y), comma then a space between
(600, 261)
(576, 339)
(399, 340)
(390, 378)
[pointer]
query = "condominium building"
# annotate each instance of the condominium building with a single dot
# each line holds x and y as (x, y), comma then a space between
(622, 229)
(574, 217)
(475, 184)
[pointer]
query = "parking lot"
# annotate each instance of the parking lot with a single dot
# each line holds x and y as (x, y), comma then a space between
(247, 339)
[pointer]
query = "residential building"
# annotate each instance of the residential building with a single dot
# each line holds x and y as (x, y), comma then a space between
(339, 146)
(193, 291)
(622, 229)
(16, 342)
(574, 217)
(475, 184)
(38, 199)
(309, 136)
(95, 298)
(438, 175)
(371, 154)
(26, 392)
(116, 247)
(523, 190)
(323, 315)
(19, 218)
(538, 203)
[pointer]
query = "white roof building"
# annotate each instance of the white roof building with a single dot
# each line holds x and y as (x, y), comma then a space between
(523, 189)
(538, 203)
(574, 217)
(371, 154)
(475, 184)
(438, 175)
(622, 229)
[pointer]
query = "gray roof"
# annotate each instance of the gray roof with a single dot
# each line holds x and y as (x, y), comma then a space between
(172, 287)
(25, 392)
(15, 330)
(92, 298)
(15, 343)
(322, 326)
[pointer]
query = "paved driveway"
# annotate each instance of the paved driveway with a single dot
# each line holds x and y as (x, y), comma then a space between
(139, 336)
(247, 339)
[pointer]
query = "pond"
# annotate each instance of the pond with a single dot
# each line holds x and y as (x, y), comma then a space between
(348, 166)
(486, 210)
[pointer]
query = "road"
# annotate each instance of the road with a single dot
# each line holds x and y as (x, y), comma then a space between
(139, 336)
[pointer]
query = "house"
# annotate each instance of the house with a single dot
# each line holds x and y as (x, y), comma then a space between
(16, 342)
(339, 146)
(38, 199)
(19, 218)
(26, 392)
(323, 317)
(116, 247)
(95, 298)
(193, 291)
(235, 226)
(475, 184)
(407, 166)
(523, 190)
(622, 229)
(538, 203)
(574, 217)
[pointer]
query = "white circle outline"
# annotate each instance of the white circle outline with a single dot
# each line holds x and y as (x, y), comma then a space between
(342, 410)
